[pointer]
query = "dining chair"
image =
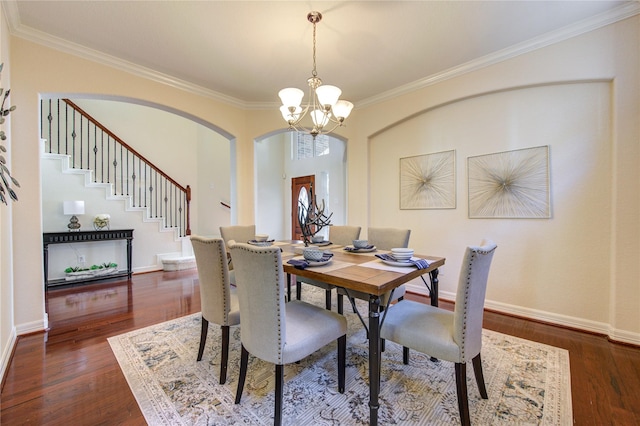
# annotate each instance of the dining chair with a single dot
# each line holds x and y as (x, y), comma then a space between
(341, 235)
(383, 239)
(239, 233)
(451, 336)
(275, 331)
(218, 299)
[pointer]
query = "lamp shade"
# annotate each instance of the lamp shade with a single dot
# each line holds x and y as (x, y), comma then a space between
(320, 118)
(328, 95)
(291, 97)
(342, 109)
(73, 207)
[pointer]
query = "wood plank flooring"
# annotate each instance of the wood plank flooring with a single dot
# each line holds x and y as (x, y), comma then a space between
(69, 376)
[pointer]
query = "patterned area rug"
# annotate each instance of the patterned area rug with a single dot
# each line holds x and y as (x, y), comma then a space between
(528, 383)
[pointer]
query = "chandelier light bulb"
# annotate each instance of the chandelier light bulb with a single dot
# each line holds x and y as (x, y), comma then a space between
(328, 95)
(342, 109)
(290, 114)
(320, 118)
(291, 97)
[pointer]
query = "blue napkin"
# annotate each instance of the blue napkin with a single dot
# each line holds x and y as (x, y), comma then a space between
(418, 263)
(303, 263)
(350, 248)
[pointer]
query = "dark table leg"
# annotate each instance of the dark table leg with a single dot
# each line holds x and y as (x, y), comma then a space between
(129, 258)
(433, 295)
(374, 358)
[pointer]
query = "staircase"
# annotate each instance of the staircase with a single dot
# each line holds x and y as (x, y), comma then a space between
(90, 146)
(79, 152)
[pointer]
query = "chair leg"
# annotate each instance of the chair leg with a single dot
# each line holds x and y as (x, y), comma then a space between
(204, 329)
(327, 302)
(405, 355)
(277, 417)
(342, 361)
(340, 304)
(477, 369)
(244, 360)
(225, 354)
(461, 388)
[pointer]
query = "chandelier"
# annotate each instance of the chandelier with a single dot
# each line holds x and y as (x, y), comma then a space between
(326, 110)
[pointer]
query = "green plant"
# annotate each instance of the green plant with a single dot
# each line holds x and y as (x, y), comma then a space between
(5, 173)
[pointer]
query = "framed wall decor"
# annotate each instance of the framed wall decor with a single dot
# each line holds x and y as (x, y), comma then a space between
(510, 184)
(428, 181)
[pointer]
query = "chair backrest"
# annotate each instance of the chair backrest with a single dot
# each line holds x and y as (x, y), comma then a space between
(239, 233)
(343, 234)
(469, 308)
(388, 238)
(213, 274)
(260, 289)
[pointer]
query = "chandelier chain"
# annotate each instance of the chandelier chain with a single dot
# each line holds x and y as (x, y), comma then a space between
(314, 73)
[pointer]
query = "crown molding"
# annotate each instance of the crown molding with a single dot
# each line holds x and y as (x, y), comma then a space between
(553, 37)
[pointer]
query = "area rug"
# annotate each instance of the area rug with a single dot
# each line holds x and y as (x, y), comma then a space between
(528, 383)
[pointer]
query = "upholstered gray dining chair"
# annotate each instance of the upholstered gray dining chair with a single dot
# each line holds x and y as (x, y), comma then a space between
(383, 239)
(451, 336)
(239, 233)
(341, 235)
(218, 300)
(275, 331)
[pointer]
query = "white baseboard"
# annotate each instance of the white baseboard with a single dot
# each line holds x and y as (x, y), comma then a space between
(6, 354)
(605, 329)
(33, 327)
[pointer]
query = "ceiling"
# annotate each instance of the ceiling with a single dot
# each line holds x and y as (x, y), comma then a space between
(244, 52)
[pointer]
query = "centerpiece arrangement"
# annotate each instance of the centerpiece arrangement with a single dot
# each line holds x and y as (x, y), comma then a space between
(312, 218)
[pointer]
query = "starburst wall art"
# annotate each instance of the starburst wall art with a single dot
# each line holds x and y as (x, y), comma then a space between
(511, 184)
(428, 181)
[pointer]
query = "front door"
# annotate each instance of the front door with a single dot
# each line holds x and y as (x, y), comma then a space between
(301, 189)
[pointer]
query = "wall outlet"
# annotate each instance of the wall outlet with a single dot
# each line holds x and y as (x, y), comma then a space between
(81, 258)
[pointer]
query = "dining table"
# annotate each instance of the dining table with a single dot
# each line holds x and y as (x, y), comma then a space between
(362, 271)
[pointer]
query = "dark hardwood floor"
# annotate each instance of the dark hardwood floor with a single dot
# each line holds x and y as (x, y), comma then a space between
(69, 376)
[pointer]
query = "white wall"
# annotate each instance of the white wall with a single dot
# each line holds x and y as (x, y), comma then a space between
(574, 121)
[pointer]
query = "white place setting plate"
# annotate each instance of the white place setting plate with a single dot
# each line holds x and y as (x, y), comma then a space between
(313, 263)
(396, 263)
(322, 243)
(352, 249)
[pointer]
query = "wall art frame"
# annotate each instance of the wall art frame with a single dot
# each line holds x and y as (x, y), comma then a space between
(510, 184)
(428, 181)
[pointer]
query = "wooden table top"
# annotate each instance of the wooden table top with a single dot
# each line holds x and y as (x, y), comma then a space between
(355, 271)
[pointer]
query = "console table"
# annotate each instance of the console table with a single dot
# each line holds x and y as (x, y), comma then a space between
(85, 237)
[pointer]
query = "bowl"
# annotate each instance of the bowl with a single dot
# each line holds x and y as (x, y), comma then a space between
(317, 239)
(360, 243)
(261, 237)
(312, 254)
(402, 254)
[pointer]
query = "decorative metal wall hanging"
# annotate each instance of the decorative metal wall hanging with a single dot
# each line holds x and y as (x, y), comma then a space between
(511, 184)
(428, 181)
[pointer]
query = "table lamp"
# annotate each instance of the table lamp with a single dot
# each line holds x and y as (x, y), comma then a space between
(73, 208)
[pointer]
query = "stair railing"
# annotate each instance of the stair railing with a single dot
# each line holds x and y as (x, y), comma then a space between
(71, 131)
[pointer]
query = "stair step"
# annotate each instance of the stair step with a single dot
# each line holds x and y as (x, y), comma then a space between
(178, 263)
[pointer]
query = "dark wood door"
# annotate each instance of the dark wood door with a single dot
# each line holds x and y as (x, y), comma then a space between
(301, 189)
